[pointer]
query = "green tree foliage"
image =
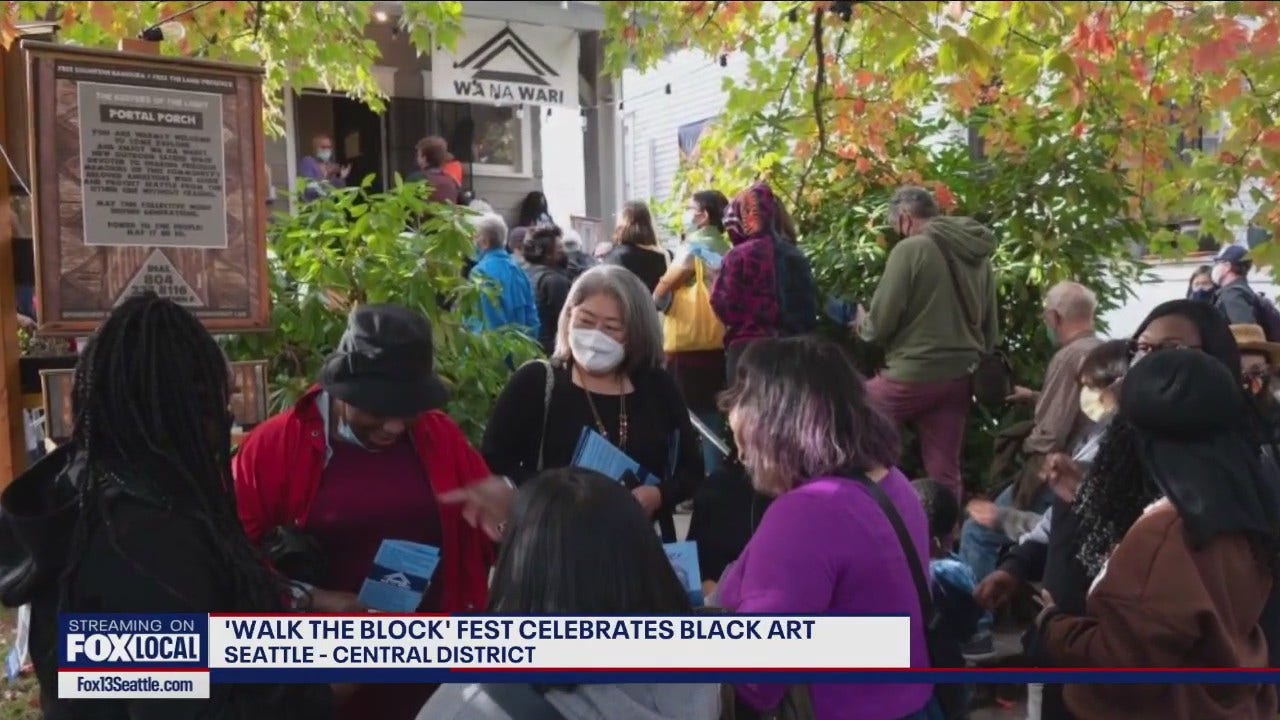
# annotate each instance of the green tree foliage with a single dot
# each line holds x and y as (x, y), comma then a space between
(354, 246)
(300, 44)
(1058, 124)
(1132, 79)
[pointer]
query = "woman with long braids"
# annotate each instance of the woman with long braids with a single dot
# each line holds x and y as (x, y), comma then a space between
(1189, 581)
(136, 514)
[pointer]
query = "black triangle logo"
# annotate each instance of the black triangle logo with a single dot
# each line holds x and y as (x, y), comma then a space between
(506, 41)
(160, 276)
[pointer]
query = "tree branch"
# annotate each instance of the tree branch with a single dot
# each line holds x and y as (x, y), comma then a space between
(886, 9)
(819, 84)
(711, 15)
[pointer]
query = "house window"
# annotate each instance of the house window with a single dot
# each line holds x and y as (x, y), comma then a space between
(489, 141)
(500, 143)
(492, 140)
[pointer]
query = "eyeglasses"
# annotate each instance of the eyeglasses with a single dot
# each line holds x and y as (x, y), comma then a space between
(1139, 349)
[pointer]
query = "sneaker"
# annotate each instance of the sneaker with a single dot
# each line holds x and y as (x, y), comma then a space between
(980, 646)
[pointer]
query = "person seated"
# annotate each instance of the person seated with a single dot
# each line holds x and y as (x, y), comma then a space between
(1069, 310)
(955, 612)
(1189, 581)
(578, 544)
(953, 581)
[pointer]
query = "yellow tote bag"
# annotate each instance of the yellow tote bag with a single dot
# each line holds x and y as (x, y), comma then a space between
(690, 324)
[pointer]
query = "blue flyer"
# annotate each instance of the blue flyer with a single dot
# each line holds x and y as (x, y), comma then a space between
(684, 560)
(400, 575)
(596, 453)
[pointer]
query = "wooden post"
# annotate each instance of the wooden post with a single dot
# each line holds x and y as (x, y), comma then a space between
(13, 439)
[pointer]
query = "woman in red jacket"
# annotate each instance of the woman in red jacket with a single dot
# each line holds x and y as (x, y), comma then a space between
(361, 459)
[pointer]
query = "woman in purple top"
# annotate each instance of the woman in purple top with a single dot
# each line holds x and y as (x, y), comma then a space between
(803, 426)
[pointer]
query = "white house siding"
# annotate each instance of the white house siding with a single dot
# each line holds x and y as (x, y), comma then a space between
(651, 118)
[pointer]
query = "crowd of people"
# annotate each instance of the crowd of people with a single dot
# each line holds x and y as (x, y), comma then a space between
(1146, 507)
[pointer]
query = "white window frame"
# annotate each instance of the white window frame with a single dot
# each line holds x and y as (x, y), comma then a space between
(525, 172)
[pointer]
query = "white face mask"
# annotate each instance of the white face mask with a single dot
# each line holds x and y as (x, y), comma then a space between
(690, 223)
(595, 351)
(1091, 404)
(324, 155)
(1219, 273)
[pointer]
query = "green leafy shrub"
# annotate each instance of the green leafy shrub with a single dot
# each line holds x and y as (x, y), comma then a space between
(1059, 211)
(355, 246)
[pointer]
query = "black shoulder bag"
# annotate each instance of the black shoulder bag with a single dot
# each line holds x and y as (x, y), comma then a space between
(950, 697)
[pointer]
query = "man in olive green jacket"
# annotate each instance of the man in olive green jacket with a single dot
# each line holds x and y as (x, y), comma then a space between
(933, 314)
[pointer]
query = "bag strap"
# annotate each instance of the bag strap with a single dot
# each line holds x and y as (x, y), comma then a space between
(908, 547)
(546, 410)
(955, 284)
(519, 700)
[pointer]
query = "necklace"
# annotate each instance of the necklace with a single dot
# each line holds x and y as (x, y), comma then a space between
(622, 414)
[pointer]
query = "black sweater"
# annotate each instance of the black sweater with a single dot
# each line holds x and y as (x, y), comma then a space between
(654, 411)
(550, 290)
(152, 560)
(648, 264)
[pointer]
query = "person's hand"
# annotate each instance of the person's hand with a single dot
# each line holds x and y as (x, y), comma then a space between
(1063, 476)
(649, 497)
(332, 601)
(709, 589)
(995, 590)
(1047, 606)
(859, 314)
(25, 322)
(485, 504)
(1022, 396)
(984, 512)
(344, 171)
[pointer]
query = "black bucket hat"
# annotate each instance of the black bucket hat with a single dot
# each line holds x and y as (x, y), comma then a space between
(384, 364)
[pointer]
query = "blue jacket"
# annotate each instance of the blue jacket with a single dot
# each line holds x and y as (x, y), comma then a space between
(515, 301)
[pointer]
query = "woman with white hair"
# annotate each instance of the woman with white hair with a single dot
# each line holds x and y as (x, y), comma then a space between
(576, 259)
(605, 375)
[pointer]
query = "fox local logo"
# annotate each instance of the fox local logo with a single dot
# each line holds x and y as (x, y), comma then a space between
(508, 64)
(144, 641)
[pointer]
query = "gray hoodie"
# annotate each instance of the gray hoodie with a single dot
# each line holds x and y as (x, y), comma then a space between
(586, 702)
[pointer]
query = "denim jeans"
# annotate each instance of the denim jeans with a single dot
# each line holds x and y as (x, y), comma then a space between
(980, 546)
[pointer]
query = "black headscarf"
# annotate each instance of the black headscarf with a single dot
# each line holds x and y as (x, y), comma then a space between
(1194, 441)
(1216, 339)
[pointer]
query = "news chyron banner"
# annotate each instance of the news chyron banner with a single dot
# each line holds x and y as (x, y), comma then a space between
(178, 656)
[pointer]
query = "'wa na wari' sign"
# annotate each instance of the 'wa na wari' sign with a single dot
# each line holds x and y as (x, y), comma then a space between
(500, 63)
(149, 176)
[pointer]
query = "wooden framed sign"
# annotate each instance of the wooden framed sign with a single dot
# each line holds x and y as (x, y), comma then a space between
(148, 175)
(58, 418)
